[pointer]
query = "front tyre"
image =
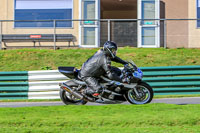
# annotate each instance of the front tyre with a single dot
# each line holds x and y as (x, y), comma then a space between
(69, 99)
(145, 94)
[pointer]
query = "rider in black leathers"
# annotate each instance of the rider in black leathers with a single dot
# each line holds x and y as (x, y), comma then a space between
(100, 64)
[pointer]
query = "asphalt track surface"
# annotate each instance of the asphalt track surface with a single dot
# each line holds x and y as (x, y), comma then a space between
(178, 101)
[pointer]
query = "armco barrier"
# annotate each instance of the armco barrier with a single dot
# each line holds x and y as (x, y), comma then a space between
(173, 79)
(14, 85)
(30, 85)
(44, 84)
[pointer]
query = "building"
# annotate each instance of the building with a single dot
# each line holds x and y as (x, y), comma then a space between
(127, 32)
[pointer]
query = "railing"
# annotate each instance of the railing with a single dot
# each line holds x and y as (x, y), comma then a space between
(125, 32)
(173, 80)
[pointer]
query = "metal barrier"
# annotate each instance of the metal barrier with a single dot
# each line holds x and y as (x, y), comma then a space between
(172, 33)
(170, 80)
(30, 84)
(44, 84)
(173, 80)
(14, 85)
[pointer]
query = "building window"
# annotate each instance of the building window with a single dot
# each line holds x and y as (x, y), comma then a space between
(198, 13)
(148, 11)
(148, 36)
(43, 10)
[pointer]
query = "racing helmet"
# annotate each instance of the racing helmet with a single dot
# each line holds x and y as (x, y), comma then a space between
(110, 48)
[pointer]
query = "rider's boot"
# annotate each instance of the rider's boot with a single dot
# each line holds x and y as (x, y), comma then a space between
(94, 93)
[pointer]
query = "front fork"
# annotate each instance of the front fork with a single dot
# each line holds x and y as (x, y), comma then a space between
(136, 92)
(133, 87)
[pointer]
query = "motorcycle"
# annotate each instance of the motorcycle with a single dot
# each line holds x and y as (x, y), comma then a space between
(135, 91)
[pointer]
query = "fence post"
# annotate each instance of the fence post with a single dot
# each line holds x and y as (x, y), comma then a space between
(109, 30)
(0, 35)
(165, 35)
(54, 35)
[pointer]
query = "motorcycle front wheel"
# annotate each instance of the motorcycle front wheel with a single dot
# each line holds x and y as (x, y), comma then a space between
(145, 94)
(69, 99)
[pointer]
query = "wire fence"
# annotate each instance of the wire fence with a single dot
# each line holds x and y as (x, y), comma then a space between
(170, 33)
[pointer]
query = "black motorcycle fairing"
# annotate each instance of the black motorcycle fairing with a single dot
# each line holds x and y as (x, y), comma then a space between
(113, 96)
(67, 71)
(70, 72)
(116, 70)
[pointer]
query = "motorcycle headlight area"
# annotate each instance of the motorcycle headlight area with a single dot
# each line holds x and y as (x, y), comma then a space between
(138, 74)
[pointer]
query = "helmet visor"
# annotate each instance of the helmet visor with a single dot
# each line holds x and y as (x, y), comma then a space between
(114, 51)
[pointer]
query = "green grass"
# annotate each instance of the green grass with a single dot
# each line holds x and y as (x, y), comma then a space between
(151, 118)
(37, 59)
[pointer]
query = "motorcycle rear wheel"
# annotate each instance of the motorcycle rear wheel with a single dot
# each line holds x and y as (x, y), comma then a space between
(145, 94)
(68, 99)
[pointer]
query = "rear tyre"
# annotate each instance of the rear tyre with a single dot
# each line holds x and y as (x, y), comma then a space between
(145, 94)
(69, 99)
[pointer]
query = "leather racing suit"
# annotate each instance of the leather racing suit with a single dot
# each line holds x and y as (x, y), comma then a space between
(97, 65)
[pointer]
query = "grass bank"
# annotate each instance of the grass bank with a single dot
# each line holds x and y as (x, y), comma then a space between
(151, 118)
(38, 59)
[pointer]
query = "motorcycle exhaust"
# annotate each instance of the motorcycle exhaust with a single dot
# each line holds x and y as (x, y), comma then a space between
(68, 89)
(74, 93)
